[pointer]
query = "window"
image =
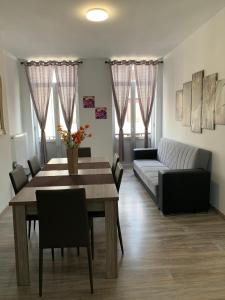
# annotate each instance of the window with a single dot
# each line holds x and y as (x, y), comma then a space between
(55, 115)
(133, 121)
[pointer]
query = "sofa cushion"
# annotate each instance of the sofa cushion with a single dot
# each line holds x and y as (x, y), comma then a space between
(148, 172)
(176, 155)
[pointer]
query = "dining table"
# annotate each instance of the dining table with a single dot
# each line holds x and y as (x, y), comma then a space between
(95, 176)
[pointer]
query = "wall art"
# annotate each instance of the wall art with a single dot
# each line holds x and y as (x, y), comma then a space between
(179, 105)
(220, 103)
(196, 106)
(89, 102)
(186, 116)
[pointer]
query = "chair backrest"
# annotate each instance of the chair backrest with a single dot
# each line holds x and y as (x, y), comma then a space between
(34, 165)
(63, 218)
(84, 152)
(115, 161)
(118, 175)
(18, 178)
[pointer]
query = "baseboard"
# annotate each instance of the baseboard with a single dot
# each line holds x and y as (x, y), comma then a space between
(3, 211)
(218, 211)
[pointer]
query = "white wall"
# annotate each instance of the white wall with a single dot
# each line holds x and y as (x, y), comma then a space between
(13, 92)
(11, 119)
(94, 80)
(205, 49)
(26, 112)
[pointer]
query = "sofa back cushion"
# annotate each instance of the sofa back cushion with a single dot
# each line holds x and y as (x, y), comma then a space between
(176, 155)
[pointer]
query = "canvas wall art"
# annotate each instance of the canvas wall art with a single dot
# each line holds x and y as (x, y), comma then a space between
(101, 113)
(186, 115)
(220, 103)
(208, 101)
(196, 106)
(2, 127)
(179, 105)
(88, 101)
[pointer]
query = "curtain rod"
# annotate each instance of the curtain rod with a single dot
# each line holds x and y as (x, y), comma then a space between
(51, 62)
(133, 61)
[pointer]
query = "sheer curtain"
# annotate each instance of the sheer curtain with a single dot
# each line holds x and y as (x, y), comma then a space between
(145, 75)
(121, 83)
(39, 77)
(66, 77)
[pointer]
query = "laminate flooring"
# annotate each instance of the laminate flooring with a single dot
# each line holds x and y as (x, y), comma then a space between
(172, 257)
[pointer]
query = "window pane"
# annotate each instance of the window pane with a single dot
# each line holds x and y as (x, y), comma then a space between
(50, 122)
(62, 122)
(139, 123)
(127, 122)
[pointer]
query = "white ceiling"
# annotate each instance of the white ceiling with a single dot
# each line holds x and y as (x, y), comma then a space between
(136, 28)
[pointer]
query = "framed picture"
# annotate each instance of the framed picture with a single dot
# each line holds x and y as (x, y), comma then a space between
(186, 115)
(89, 102)
(196, 105)
(101, 113)
(2, 127)
(208, 102)
(179, 105)
(220, 102)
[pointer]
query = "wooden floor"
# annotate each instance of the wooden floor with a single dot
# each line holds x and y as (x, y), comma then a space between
(175, 257)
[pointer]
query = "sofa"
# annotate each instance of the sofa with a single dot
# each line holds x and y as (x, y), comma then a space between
(176, 175)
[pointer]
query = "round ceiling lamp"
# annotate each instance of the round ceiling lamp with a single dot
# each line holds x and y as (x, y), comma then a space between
(97, 15)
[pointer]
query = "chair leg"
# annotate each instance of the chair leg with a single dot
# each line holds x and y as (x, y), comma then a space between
(34, 224)
(29, 228)
(92, 239)
(90, 268)
(53, 254)
(62, 252)
(120, 235)
(78, 251)
(40, 270)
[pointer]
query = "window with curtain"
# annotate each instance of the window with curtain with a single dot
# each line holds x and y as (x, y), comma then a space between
(133, 121)
(55, 115)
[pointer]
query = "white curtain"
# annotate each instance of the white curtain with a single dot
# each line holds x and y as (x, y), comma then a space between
(66, 76)
(145, 75)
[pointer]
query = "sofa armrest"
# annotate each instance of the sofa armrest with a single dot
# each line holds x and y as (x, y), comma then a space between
(184, 190)
(145, 153)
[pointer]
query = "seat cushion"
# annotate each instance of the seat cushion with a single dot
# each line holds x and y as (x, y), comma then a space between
(176, 155)
(148, 172)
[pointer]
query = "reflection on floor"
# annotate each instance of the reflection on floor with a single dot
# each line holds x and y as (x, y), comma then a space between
(175, 257)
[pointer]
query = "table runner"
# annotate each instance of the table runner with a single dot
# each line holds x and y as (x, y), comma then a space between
(94, 165)
(41, 181)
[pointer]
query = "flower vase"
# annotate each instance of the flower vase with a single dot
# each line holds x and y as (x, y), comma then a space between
(72, 160)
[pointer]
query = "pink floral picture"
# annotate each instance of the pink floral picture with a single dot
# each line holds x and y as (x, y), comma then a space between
(89, 101)
(101, 113)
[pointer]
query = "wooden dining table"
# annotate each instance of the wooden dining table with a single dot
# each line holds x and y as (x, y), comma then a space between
(94, 174)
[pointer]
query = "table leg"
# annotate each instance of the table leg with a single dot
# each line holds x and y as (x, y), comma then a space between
(21, 247)
(111, 239)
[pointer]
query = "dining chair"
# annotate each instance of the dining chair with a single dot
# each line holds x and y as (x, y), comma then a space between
(84, 152)
(115, 161)
(68, 206)
(101, 214)
(34, 165)
(19, 179)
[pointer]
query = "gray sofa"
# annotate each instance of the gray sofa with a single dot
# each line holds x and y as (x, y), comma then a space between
(176, 175)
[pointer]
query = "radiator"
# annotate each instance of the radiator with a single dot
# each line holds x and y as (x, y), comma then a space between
(19, 145)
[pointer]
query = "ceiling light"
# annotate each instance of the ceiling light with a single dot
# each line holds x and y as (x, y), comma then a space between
(97, 15)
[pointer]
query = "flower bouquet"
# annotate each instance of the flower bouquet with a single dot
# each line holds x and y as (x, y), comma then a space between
(72, 140)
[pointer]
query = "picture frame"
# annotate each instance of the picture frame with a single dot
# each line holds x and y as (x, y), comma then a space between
(2, 126)
(88, 101)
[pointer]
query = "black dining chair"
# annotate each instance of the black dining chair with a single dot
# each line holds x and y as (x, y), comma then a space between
(19, 179)
(84, 152)
(115, 162)
(34, 165)
(100, 214)
(68, 206)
